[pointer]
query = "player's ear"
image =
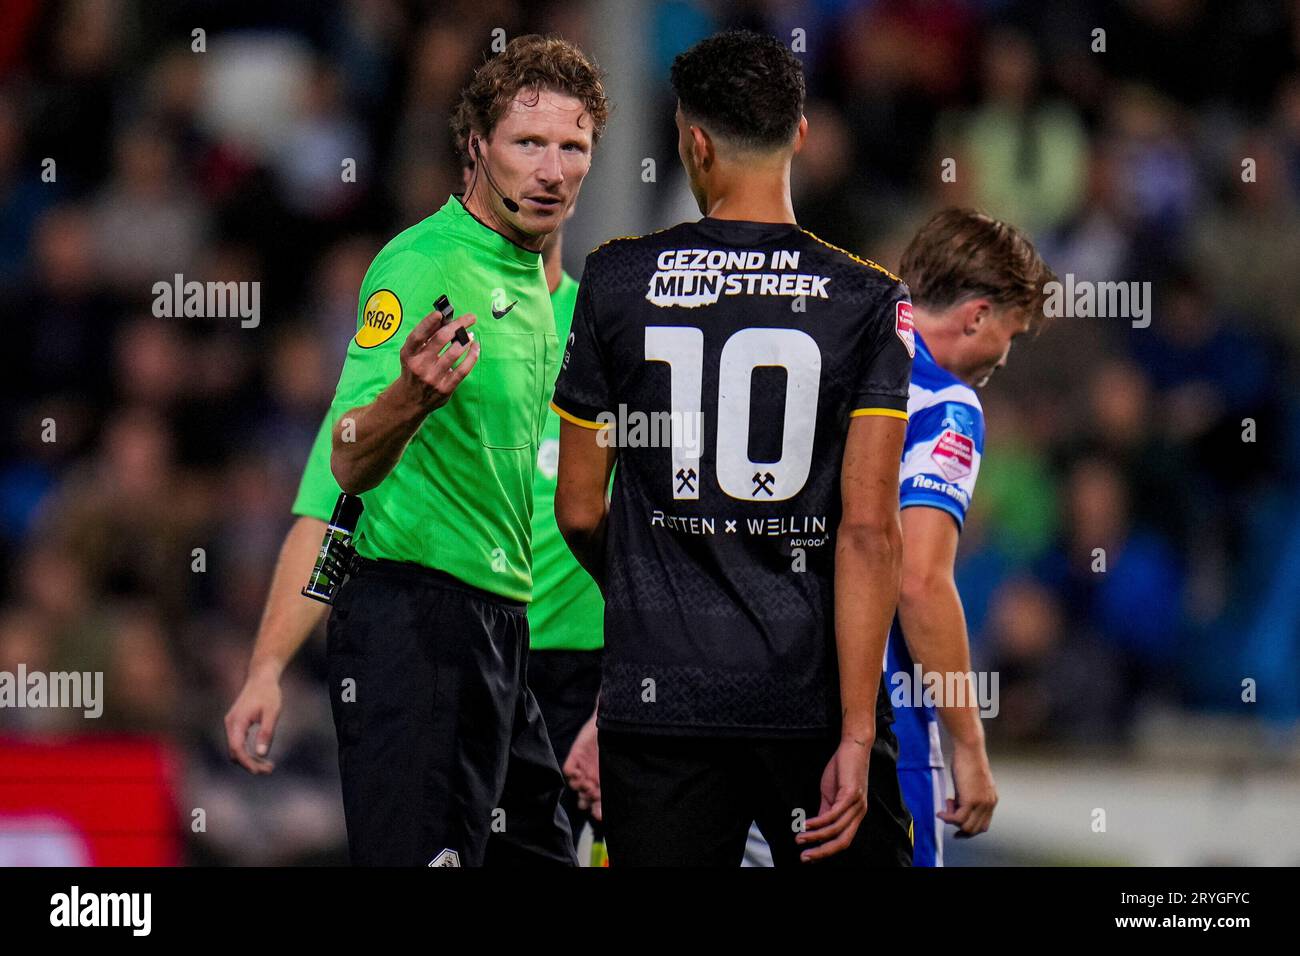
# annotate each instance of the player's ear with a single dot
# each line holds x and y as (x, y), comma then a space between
(975, 313)
(801, 134)
(702, 150)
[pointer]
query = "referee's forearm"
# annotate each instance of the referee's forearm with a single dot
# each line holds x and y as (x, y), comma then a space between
(369, 440)
(289, 618)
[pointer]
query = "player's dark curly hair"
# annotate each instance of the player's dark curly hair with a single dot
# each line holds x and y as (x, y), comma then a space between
(743, 86)
(528, 62)
(961, 253)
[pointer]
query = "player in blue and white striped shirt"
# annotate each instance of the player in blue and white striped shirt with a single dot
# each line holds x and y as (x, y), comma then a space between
(976, 284)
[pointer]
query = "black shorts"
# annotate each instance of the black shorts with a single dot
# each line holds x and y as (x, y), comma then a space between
(689, 801)
(443, 755)
(566, 685)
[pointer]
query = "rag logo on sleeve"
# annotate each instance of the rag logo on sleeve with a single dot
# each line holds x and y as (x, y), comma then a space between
(380, 319)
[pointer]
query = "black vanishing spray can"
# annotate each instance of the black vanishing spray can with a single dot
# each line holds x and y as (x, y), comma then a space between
(336, 558)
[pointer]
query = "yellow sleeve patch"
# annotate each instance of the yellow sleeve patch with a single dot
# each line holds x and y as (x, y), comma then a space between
(884, 412)
(569, 417)
(380, 319)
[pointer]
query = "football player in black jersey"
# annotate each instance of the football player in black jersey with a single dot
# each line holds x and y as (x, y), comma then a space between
(751, 380)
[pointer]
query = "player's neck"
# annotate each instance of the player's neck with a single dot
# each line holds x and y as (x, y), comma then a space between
(761, 196)
(552, 260)
(481, 208)
(940, 335)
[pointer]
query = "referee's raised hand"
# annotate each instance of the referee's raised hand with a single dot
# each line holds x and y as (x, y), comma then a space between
(369, 440)
(429, 368)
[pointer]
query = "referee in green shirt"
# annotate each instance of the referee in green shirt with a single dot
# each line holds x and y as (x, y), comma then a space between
(565, 617)
(443, 754)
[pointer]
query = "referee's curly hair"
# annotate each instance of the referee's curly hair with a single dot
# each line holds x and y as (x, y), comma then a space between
(528, 63)
(745, 87)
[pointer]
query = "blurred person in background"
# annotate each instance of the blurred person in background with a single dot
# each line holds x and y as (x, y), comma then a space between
(1146, 137)
(147, 225)
(130, 516)
(1057, 684)
(23, 196)
(1119, 583)
(26, 640)
(1254, 224)
(64, 318)
(142, 687)
(1019, 153)
(1116, 408)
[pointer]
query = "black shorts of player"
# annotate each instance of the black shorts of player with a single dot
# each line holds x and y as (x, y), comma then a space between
(442, 751)
(566, 685)
(689, 801)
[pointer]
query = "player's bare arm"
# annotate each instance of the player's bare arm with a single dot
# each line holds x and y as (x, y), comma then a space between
(868, 565)
(287, 621)
(934, 626)
(581, 503)
(581, 513)
(369, 440)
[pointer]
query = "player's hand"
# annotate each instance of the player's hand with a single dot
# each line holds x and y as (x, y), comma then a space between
(582, 769)
(258, 703)
(975, 796)
(429, 355)
(844, 802)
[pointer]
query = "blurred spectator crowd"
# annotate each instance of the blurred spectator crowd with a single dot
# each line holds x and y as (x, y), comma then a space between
(131, 440)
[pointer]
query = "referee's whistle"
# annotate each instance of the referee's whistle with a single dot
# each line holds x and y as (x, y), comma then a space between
(443, 305)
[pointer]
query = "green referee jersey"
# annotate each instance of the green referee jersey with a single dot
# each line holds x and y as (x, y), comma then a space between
(567, 613)
(460, 499)
(567, 610)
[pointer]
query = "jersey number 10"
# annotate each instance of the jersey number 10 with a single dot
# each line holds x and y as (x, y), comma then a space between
(682, 347)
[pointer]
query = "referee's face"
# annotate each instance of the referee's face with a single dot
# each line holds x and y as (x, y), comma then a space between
(538, 155)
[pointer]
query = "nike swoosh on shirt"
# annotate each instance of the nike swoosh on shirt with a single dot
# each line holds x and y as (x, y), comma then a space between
(502, 313)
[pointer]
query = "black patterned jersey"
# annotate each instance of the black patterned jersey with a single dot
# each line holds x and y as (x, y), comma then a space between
(724, 360)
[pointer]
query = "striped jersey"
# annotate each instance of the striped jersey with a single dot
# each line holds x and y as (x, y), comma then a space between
(941, 459)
